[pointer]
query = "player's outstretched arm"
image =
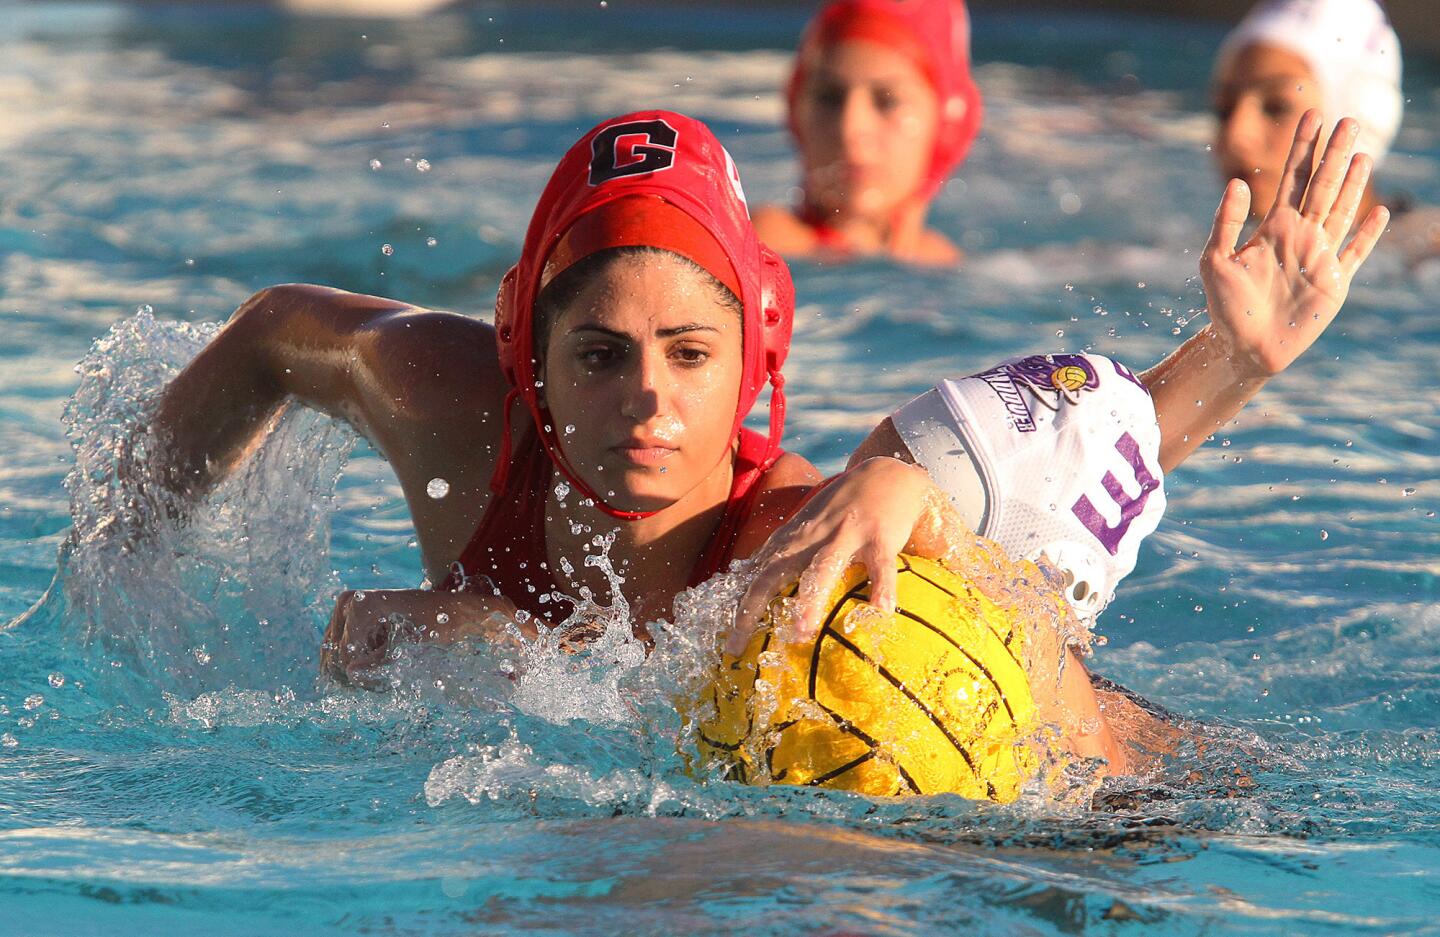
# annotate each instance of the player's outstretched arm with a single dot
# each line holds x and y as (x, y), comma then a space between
(292, 340)
(1271, 297)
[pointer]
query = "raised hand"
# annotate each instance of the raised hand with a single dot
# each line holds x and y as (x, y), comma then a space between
(1270, 298)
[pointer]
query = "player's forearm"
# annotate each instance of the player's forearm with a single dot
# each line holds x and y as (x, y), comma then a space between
(1087, 731)
(210, 415)
(1196, 390)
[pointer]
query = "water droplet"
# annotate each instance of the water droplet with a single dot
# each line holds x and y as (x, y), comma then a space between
(202, 656)
(360, 596)
(375, 164)
(1059, 333)
(144, 309)
(431, 242)
(1324, 534)
(34, 701)
(437, 488)
(1199, 608)
(387, 249)
(442, 618)
(57, 680)
(422, 165)
(569, 429)
(8, 741)
(1406, 492)
(1255, 656)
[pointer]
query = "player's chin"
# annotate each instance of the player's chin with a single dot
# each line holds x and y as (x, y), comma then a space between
(644, 491)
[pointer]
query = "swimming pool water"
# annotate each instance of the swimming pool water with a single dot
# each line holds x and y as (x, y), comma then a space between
(170, 764)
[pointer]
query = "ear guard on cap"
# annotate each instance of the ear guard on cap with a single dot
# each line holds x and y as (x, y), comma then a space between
(505, 323)
(777, 309)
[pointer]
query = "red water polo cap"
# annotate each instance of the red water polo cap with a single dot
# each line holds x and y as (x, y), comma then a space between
(653, 179)
(935, 34)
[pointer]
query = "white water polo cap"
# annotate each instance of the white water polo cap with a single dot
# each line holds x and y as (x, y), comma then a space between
(1353, 51)
(1049, 455)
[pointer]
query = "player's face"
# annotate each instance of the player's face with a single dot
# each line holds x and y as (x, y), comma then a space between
(642, 377)
(866, 120)
(1259, 99)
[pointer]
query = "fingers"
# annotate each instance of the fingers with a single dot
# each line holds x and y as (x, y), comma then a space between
(1342, 216)
(330, 645)
(817, 584)
(1325, 184)
(1299, 163)
(1365, 240)
(1230, 219)
(881, 570)
(775, 573)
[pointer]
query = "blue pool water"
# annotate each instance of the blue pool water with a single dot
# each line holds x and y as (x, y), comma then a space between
(170, 764)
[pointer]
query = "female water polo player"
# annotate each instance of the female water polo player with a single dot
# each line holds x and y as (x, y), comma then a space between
(882, 108)
(1288, 56)
(631, 340)
(638, 329)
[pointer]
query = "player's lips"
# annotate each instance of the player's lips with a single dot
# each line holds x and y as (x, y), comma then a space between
(644, 451)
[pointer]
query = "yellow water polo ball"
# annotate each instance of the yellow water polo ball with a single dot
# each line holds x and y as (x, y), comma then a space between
(1069, 377)
(933, 699)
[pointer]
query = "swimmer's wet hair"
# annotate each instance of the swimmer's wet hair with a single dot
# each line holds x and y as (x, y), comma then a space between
(560, 292)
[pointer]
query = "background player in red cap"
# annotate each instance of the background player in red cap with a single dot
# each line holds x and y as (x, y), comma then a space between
(883, 108)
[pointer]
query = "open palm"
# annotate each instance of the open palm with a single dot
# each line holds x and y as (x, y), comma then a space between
(1270, 298)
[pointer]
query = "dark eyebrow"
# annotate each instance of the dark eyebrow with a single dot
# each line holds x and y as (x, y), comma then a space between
(659, 333)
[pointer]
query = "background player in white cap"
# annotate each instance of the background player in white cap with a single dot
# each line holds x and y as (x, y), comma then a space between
(1288, 56)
